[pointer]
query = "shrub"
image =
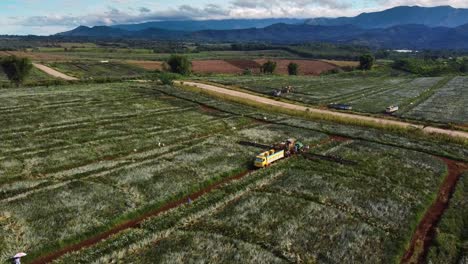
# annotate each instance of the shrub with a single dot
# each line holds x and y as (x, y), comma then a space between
(269, 67)
(16, 69)
(247, 72)
(179, 64)
(293, 68)
(366, 62)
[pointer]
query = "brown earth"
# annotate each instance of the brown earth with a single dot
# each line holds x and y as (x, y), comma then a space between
(215, 66)
(147, 65)
(36, 56)
(425, 231)
(306, 67)
(342, 63)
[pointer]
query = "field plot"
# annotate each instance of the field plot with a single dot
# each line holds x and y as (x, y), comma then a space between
(298, 211)
(65, 151)
(309, 90)
(447, 105)
(365, 94)
(401, 95)
(92, 70)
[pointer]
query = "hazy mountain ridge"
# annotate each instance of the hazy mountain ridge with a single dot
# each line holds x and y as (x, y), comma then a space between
(404, 36)
(440, 16)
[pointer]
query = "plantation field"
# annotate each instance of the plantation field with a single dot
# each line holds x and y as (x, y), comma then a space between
(92, 70)
(447, 105)
(297, 211)
(76, 160)
(332, 88)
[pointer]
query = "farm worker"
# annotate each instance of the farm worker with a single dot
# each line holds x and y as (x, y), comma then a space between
(189, 201)
(17, 260)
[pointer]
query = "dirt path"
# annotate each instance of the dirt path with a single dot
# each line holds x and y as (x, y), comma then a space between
(54, 73)
(382, 121)
(424, 234)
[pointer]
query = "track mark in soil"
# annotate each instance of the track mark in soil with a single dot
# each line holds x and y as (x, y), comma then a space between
(425, 231)
(135, 223)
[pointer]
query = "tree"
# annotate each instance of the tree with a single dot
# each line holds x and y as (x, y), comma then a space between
(179, 64)
(269, 67)
(16, 69)
(293, 68)
(366, 62)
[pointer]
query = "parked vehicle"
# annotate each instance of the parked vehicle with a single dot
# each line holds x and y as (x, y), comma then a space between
(392, 109)
(340, 106)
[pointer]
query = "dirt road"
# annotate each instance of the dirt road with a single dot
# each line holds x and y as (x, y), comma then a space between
(267, 101)
(53, 72)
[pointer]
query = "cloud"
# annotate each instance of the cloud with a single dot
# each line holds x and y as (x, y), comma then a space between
(232, 9)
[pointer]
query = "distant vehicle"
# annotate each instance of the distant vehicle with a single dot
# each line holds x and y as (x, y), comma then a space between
(266, 158)
(392, 109)
(277, 93)
(340, 106)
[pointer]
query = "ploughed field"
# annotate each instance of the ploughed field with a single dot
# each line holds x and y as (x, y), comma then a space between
(77, 160)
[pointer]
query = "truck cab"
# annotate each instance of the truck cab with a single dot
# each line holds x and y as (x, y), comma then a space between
(260, 161)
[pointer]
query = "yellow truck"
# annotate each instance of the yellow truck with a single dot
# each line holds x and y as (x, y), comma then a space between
(268, 157)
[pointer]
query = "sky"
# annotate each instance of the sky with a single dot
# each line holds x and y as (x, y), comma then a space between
(45, 17)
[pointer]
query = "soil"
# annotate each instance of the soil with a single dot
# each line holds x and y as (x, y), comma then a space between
(306, 67)
(425, 231)
(215, 66)
(37, 56)
(147, 65)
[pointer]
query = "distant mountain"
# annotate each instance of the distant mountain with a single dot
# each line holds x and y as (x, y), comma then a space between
(411, 36)
(441, 16)
(197, 25)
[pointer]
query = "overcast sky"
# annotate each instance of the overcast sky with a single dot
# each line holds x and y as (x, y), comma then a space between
(44, 17)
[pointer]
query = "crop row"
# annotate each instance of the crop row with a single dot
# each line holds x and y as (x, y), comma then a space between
(447, 105)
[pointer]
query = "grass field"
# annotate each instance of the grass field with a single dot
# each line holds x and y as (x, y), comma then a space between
(447, 105)
(93, 70)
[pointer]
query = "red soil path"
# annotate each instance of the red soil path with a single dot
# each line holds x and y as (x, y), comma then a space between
(422, 238)
(135, 223)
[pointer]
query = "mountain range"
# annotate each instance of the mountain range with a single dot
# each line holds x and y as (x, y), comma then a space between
(397, 28)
